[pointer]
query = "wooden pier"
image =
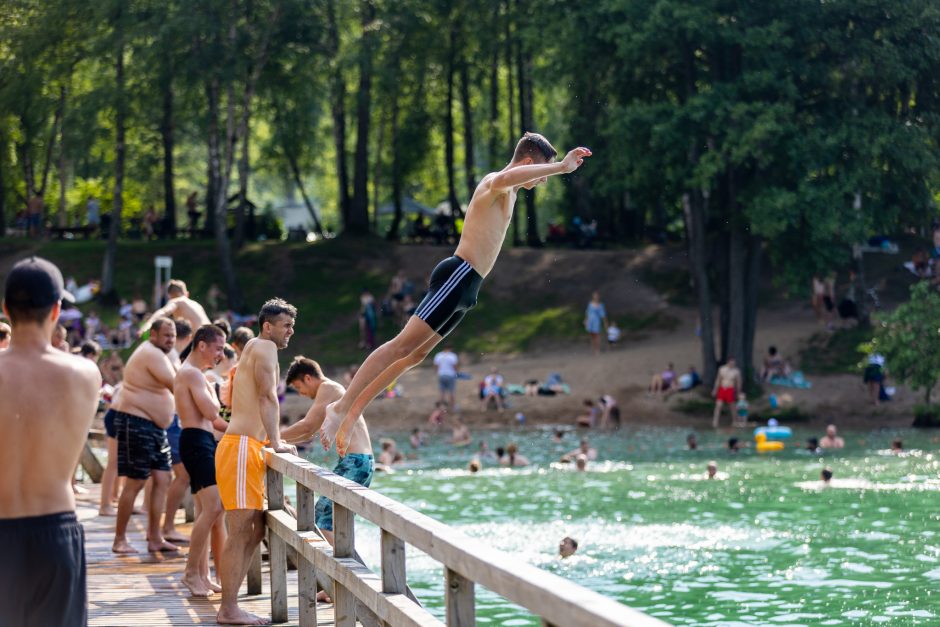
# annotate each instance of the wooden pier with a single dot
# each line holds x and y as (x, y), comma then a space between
(145, 589)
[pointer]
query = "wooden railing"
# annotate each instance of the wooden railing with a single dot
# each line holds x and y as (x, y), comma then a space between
(358, 593)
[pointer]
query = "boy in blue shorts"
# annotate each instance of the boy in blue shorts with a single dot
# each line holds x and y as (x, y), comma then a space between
(357, 464)
(454, 283)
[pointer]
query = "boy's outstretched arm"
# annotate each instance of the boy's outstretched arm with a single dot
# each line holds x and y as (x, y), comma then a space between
(520, 175)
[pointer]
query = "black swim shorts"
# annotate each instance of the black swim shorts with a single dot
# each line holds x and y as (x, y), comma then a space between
(453, 290)
(42, 572)
(142, 446)
(197, 450)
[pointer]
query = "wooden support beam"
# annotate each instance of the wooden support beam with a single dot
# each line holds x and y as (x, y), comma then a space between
(90, 464)
(393, 564)
(458, 592)
(254, 572)
(278, 566)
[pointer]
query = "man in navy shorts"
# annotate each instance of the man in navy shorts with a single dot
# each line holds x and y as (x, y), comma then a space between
(455, 282)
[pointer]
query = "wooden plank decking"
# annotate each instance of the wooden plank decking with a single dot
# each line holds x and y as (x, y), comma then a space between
(144, 589)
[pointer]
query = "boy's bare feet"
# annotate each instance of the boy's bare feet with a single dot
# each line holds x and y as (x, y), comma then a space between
(197, 587)
(239, 617)
(323, 597)
(175, 536)
(164, 546)
(122, 547)
(107, 511)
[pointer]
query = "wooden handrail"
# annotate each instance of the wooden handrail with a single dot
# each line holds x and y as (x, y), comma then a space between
(466, 561)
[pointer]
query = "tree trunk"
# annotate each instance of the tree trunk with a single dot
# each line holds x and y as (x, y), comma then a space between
(110, 256)
(510, 92)
(212, 185)
(242, 202)
(377, 172)
(752, 289)
(60, 166)
(359, 213)
(737, 297)
(493, 155)
(861, 288)
(217, 174)
(338, 111)
(525, 117)
(166, 135)
(694, 205)
(393, 229)
(467, 128)
(449, 124)
(317, 226)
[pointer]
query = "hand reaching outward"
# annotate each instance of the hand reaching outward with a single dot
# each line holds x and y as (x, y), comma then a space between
(575, 158)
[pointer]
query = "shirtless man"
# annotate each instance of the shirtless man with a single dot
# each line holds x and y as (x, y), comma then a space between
(198, 408)
(727, 384)
(142, 412)
(584, 449)
(239, 464)
(177, 490)
(831, 439)
(358, 465)
(42, 571)
(454, 283)
(180, 305)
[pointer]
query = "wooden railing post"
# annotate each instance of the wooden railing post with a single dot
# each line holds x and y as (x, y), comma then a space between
(344, 539)
(307, 575)
(277, 550)
(458, 591)
(393, 564)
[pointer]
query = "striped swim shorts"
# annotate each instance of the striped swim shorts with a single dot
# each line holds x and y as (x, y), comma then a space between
(452, 292)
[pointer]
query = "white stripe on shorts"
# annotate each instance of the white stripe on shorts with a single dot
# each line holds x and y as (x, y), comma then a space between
(445, 291)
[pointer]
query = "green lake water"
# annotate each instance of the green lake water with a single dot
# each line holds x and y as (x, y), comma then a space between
(764, 544)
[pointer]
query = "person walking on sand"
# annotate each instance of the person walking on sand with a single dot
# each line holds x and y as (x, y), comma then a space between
(42, 571)
(454, 283)
(727, 384)
(239, 464)
(595, 320)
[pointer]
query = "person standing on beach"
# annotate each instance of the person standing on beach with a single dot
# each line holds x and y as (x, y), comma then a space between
(42, 571)
(595, 319)
(727, 384)
(198, 408)
(239, 464)
(454, 283)
(142, 412)
(447, 363)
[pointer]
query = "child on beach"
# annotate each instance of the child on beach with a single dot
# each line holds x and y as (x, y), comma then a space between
(454, 283)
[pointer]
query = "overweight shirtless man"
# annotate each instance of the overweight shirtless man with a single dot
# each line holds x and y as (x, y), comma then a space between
(142, 412)
(454, 283)
(42, 568)
(198, 408)
(179, 305)
(239, 462)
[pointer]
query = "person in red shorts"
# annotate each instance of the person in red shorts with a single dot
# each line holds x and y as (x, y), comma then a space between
(727, 384)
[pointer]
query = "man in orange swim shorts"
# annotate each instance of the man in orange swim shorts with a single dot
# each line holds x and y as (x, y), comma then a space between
(239, 463)
(727, 384)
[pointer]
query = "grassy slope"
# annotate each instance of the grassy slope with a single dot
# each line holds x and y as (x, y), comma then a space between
(324, 281)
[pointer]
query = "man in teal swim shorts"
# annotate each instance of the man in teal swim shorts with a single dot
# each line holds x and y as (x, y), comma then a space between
(358, 465)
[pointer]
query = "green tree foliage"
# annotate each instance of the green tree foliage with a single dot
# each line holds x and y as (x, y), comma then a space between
(909, 340)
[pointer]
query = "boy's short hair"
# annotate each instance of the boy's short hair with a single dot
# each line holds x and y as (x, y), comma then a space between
(535, 146)
(175, 287)
(301, 367)
(183, 328)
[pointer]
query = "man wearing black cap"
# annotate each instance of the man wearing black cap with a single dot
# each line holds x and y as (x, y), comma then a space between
(42, 571)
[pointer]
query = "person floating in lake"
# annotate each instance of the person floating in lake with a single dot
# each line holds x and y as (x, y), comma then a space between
(691, 442)
(711, 471)
(831, 439)
(512, 458)
(567, 547)
(825, 475)
(897, 446)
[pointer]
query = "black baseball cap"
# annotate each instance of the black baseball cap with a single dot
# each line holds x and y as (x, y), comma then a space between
(35, 283)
